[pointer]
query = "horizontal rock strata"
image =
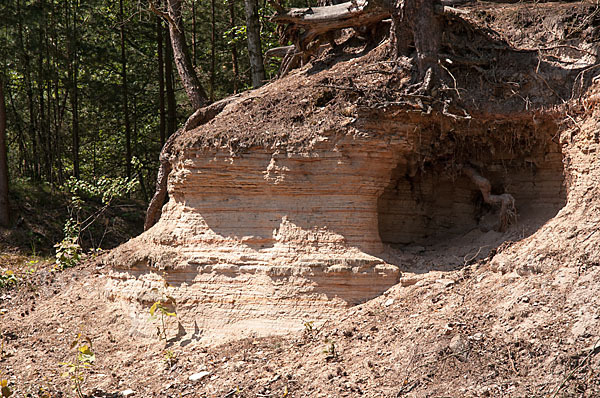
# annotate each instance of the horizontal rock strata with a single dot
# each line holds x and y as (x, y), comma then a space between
(264, 241)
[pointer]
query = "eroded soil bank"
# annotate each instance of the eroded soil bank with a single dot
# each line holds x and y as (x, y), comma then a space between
(305, 199)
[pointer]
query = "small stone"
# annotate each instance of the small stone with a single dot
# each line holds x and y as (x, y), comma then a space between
(388, 302)
(127, 393)
(60, 330)
(408, 281)
(198, 376)
(459, 346)
(445, 282)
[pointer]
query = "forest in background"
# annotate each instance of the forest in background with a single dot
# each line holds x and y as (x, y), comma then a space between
(92, 91)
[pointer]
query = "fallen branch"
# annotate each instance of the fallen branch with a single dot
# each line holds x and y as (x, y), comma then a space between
(307, 24)
(278, 52)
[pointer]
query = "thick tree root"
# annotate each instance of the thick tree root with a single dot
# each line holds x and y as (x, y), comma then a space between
(198, 118)
(508, 212)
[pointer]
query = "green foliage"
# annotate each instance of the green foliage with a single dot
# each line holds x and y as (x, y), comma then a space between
(83, 360)
(8, 279)
(4, 389)
(106, 188)
(68, 253)
(235, 35)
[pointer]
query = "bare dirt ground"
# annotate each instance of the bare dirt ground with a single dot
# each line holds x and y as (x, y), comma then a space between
(466, 333)
(522, 322)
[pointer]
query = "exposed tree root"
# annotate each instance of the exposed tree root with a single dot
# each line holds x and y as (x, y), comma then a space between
(198, 118)
(508, 212)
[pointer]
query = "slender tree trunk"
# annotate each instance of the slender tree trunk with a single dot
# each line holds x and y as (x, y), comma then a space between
(45, 118)
(4, 208)
(74, 67)
(194, 43)
(23, 155)
(254, 46)
(25, 58)
(54, 97)
(170, 88)
(212, 50)
(161, 81)
(187, 74)
(42, 125)
(234, 53)
(125, 99)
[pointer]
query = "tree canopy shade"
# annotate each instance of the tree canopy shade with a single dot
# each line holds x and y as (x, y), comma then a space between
(92, 87)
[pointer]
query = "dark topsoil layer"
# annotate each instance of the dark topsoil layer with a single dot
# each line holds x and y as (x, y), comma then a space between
(500, 61)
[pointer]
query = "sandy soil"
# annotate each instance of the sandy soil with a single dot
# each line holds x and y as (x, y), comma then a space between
(522, 322)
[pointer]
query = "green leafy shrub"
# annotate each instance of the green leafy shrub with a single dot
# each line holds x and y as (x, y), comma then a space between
(69, 251)
(8, 279)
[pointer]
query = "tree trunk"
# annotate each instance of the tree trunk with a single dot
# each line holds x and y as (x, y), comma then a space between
(74, 70)
(254, 46)
(213, 43)
(194, 31)
(170, 86)
(234, 53)
(416, 20)
(187, 74)
(25, 58)
(125, 99)
(161, 81)
(43, 122)
(4, 208)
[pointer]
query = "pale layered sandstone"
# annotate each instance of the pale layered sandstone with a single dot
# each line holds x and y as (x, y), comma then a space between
(315, 192)
(263, 241)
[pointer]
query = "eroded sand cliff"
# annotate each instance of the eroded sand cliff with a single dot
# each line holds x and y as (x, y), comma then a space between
(318, 191)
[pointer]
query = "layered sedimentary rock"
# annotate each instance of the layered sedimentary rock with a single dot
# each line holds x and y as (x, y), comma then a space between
(266, 240)
(305, 196)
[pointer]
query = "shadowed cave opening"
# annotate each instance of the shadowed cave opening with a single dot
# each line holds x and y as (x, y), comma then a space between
(440, 210)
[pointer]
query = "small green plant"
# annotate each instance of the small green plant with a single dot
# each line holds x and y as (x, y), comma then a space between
(160, 308)
(309, 327)
(82, 361)
(5, 390)
(330, 351)
(68, 253)
(8, 279)
(170, 358)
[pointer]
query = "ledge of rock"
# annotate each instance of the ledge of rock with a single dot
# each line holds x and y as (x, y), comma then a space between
(315, 192)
